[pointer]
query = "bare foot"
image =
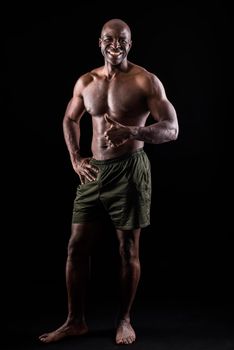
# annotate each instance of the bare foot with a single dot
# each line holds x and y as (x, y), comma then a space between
(125, 334)
(65, 330)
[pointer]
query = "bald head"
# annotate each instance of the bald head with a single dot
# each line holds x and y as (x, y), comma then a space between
(116, 24)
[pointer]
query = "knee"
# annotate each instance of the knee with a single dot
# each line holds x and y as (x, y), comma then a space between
(128, 252)
(76, 250)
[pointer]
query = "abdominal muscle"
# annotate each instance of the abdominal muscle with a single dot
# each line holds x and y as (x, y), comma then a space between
(101, 151)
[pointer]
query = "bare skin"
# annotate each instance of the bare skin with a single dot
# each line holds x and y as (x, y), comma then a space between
(119, 96)
(64, 331)
(125, 334)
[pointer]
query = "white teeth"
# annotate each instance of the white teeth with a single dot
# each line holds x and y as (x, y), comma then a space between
(113, 53)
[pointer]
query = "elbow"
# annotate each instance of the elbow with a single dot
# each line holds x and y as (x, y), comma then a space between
(174, 132)
(67, 120)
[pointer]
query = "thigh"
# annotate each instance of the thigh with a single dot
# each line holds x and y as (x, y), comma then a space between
(85, 234)
(129, 203)
(86, 206)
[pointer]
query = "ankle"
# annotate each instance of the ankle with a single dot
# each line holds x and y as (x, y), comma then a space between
(124, 319)
(71, 320)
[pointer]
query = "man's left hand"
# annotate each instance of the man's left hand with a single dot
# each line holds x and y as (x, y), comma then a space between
(117, 134)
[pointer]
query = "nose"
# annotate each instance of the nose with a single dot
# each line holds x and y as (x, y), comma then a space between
(115, 43)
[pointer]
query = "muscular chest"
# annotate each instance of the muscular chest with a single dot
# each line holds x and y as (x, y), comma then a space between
(118, 97)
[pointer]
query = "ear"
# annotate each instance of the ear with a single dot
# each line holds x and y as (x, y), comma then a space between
(100, 42)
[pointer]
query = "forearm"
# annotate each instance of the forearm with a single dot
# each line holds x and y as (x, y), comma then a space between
(71, 131)
(156, 133)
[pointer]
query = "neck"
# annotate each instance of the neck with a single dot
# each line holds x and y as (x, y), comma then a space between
(111, 71)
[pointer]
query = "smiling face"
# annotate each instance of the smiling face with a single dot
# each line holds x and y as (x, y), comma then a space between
(115, 41)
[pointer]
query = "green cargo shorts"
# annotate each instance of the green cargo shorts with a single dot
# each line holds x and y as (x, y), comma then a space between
(122, 190)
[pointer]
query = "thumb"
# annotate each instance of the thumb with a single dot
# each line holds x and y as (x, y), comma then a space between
(109, 120)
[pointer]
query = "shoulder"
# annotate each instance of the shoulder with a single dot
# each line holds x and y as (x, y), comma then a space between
(84, 80)
(146, 76)
(148, 81)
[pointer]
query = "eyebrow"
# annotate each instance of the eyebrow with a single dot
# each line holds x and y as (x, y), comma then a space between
(122, 36)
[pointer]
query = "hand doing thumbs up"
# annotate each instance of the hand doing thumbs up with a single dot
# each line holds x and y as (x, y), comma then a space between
(116, 134)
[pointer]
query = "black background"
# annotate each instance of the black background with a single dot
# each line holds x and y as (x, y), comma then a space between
(187, 252)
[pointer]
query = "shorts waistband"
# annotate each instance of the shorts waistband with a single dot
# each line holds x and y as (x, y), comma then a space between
(117, 159)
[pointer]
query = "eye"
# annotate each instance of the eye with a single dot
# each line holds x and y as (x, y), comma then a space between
(106, 40)
(123, 41)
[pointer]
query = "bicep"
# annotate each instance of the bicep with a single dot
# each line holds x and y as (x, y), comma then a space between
(159, 106)
(75, 108)
(162, 109)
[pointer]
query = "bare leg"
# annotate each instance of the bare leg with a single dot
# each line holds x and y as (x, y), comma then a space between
(77, 271)
(130, 275)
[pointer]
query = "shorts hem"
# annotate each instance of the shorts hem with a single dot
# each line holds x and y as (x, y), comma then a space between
(80, 221)
(131, 227)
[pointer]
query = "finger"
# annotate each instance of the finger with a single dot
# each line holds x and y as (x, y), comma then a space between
(88, 175)
(111, 144)
(107, 132)
(82, 179)
(93, 168)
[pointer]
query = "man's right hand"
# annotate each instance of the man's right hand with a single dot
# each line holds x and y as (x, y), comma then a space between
(85, 170)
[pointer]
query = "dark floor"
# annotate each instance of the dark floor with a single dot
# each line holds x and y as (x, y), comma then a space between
(160, 324)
